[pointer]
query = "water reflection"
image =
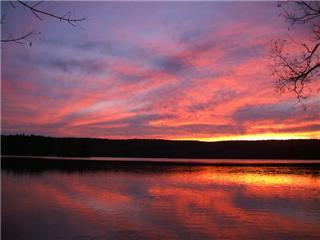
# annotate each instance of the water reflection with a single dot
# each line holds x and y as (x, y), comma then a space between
(207, 202)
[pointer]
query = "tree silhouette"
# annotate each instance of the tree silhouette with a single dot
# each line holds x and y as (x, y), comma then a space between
(34, 8)
(295, 70)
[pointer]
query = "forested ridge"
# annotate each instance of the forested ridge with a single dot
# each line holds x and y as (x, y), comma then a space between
(90, 147)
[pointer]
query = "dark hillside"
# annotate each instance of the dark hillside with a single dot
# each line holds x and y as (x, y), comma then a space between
(85, 147)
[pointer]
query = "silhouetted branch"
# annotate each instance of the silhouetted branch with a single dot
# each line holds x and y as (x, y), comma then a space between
(66, 17)
(306, 13)
(37, 12)
(295, 70)
(17, 39)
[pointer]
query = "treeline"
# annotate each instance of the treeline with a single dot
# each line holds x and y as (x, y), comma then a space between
(89, 147)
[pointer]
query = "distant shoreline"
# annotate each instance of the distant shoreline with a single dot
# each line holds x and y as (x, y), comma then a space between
(156, 149)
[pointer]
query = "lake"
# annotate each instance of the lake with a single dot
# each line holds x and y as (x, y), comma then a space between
(154, 201)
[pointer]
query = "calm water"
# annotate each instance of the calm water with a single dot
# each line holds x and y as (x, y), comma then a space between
(162, 202)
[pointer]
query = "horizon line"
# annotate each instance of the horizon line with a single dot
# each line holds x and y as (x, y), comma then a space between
(218, 139)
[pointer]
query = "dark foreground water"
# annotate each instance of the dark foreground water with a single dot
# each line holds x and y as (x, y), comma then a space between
(162, 202)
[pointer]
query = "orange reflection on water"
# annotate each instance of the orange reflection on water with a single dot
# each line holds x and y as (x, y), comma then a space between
(260, 178)
(245, 199)
(177, 203)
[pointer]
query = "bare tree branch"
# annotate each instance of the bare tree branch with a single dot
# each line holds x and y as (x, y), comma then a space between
(65, 17)
(295, 70)
(17, 39)
(37, 12)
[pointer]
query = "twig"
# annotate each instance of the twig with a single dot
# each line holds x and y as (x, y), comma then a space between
(37, 11)
(17, 39)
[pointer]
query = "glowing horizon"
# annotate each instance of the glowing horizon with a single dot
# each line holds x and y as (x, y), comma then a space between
(152, 70)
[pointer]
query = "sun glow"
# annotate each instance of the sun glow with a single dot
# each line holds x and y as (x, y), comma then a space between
(256, 137)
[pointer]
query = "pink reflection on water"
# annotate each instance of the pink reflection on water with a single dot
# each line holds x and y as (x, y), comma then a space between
(196, 202)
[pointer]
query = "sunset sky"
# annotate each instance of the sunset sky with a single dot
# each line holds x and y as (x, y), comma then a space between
(183, 70)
